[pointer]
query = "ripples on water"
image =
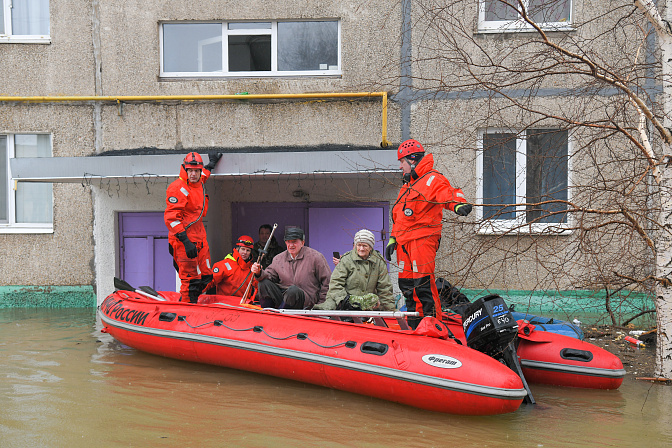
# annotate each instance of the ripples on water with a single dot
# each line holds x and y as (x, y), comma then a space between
(65, 384)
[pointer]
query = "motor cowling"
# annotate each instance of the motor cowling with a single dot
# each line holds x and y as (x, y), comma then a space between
(488, 325)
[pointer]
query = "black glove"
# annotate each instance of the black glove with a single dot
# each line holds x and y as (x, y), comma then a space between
(190, 247)
(391, 247)
(463, 209)
(214, 158)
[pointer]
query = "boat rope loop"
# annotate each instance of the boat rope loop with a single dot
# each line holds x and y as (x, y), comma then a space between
(260, 329)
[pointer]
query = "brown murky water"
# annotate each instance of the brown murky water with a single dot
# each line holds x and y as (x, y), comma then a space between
(64, 384)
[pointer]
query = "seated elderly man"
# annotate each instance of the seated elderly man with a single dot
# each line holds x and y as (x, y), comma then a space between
(297, 278)
(360, 277)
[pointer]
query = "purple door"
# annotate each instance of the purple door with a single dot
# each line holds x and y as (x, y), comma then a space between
(144, 257)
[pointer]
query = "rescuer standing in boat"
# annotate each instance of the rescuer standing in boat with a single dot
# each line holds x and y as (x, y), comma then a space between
(416, 227)
(232, 274)
(186, 206)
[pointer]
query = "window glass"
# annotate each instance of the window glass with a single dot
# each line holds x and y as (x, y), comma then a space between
(33, 199)
(4, 185)
(496, 10)
(307, 46)
(251, 53)
(499, 175)
(547, 168)
(545, 11)
(2, 18)
(192, 47)
(30, 17)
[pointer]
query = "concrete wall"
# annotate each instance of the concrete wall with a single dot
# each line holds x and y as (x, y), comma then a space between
(112, 48)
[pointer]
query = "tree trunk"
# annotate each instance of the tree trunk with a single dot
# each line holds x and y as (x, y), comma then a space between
(664, 241)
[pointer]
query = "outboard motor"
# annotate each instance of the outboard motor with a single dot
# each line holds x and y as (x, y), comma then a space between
(491, 329)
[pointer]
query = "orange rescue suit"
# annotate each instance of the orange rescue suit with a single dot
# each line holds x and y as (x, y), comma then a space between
(186, 206)
(418, 211)
(231, 275)
(417, 218)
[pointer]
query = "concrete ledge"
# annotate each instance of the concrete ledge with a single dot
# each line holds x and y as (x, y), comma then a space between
(47, 297)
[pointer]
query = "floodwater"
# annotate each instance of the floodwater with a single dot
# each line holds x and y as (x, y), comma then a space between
(65, 384)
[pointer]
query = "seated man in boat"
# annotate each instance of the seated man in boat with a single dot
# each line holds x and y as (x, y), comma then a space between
(298, 278)
(232, 274)
(360, 280)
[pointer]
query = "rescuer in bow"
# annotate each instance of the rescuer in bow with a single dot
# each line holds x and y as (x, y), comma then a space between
(416, 227)
(232, 274)
(186, 206)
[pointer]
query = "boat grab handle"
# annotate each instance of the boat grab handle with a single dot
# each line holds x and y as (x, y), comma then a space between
(373, 348)
(576, 355)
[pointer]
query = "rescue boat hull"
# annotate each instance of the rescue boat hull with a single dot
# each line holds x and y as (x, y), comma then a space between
(401, 366)
(557, 359)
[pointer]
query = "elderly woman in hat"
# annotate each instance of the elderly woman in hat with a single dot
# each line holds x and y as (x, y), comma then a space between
(361, 277)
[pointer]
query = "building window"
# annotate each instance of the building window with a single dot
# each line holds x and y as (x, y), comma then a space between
(24, 21)
(25, 207)
(219, 49)
(501, 16)
(523, 180)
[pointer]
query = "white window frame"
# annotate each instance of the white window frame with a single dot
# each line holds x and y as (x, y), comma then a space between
(518, 224)
(8, 37)
(12, 226)
(273, 32)
(519, 26)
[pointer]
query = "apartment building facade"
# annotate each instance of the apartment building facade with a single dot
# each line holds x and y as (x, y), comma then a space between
(99, 103)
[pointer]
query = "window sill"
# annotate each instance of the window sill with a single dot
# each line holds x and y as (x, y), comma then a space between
(503, 228)
(25, 39)
(512, 29)
(247, 75)
(17, 229)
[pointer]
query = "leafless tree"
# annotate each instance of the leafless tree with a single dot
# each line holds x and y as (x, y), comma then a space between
(596, 73)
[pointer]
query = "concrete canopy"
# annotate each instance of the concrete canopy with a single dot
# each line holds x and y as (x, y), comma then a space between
(342, 160)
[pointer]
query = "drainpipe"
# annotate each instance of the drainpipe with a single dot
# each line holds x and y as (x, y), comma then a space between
(158, 98)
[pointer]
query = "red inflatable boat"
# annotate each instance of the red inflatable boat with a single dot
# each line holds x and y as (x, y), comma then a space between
(424, 368)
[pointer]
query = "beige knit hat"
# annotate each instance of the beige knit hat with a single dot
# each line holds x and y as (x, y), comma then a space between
(365, 236)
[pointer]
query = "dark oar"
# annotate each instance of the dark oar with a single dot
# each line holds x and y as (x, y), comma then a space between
(122, 285)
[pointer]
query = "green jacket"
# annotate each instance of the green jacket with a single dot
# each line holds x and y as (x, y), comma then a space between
(356, 276)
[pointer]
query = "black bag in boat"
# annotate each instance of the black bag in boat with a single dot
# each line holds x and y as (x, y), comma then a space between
(452, 300)
(488, 325)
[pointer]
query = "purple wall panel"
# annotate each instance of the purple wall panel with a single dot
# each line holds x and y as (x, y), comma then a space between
(333, 229)
(164, 272)
(144, 256)
(138, 261)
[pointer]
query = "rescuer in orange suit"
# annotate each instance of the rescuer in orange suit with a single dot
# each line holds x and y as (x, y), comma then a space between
(186, 206)
(416, 227)
(232, 274)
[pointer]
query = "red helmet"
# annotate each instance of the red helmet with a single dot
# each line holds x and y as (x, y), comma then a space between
(409, 147)
(245, 241)
(193, 161)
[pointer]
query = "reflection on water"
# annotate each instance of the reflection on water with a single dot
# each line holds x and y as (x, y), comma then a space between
(63, 383)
